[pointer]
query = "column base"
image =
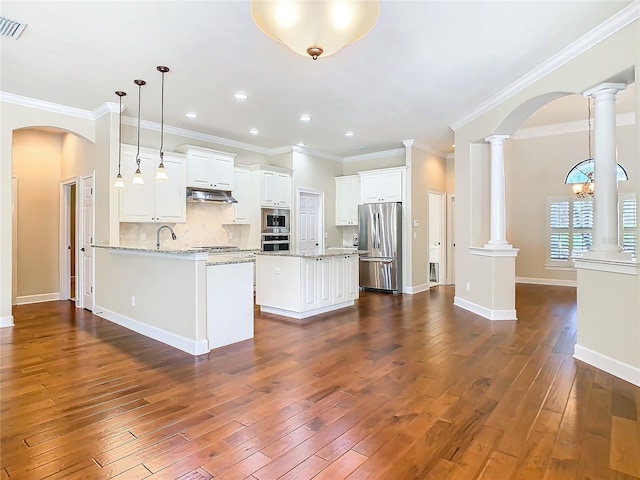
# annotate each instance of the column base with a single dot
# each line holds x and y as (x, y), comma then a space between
(498, 245)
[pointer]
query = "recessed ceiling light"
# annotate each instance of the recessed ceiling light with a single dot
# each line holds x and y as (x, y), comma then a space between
(305, 117)
(240, 96)
(191, 114)
(359, 147)
(301, 144)
(254, 131)
(349, 134)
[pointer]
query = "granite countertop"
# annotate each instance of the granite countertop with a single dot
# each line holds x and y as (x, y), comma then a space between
(226, 260)
(326, 253)
(154, 250)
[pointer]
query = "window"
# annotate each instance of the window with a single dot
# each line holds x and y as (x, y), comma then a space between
(570, 228)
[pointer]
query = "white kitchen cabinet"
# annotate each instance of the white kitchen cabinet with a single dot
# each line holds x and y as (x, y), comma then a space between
(317, 282)
(275, 189)
(300, 287)
(347, 200)
(346, 277)
(155, 200)
(209, 169)
(243, 193)
(381, 185)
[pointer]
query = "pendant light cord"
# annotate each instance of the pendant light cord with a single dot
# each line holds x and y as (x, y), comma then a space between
(589, 110)
(120, 135)
(162, 124)
(138, 152)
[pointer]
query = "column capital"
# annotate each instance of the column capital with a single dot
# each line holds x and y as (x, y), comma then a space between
(605, 88)
(408, 143)
(496, 139)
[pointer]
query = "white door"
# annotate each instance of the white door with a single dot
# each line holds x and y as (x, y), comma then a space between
(86, 251)
(451, 242)
(436, 238)
(310, 222)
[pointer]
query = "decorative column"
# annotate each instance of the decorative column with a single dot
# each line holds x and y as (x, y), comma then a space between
(498, 239)
(605, 201)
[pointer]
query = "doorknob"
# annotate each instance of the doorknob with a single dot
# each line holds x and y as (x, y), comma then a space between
(82, 249)
(69, 247)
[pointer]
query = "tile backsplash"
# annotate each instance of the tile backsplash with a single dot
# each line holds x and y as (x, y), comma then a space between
(207, 225)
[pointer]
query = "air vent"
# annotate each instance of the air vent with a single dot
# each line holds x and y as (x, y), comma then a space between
(10, 28)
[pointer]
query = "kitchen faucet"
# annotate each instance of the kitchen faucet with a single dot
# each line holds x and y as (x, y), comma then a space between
(173, 235)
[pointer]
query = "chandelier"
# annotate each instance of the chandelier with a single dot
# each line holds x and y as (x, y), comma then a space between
(315, 27)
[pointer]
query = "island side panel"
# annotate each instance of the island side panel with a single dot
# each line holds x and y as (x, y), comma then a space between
(278, 281)
(161, 297)
(229, 303)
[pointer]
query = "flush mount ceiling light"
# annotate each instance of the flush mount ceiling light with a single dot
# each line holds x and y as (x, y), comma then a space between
(137, 176)
(315, 27)
(191, 115)
(240, 96)
(349, 134)
(254, 131)
(161, 172)
(305, 117)
(119, 182)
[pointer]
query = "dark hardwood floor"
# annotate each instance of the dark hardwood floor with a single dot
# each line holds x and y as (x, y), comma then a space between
(399, 387)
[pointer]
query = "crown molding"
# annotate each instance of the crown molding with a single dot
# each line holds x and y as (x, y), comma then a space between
(607, 28)
(107, 107)
(622, 120)
(316, 153)
(369, 156)
(451, 156)
(14, 99)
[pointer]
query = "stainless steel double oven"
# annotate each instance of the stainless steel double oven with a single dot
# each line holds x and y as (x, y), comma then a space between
(275, 229)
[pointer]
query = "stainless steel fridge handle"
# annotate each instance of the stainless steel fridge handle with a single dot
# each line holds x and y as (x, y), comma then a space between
(377, 260)
(378, 229)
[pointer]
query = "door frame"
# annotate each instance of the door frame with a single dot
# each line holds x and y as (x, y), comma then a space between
(319, 226)
(442, 269)
(14, 239)
(65, 240)
(451, 238)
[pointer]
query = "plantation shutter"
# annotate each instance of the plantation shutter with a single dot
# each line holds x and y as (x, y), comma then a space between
(628, 224)
(582, 217)
(559, 236)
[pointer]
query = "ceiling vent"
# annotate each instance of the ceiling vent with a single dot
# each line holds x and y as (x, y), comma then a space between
(9, 28)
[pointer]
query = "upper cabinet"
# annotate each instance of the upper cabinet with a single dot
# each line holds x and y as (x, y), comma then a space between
(155, 200)
(382, 185)
(243, 193)
(275, 189)
(208, 168)
(347, 200)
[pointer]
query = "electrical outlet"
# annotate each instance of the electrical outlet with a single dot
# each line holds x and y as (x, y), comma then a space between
(133, 301)
(468, 287)
(230, 235)
(415, 223)
(415, 235)
(143, 236)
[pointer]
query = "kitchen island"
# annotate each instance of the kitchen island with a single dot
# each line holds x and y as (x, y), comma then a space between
(299, 285)
(185, 298)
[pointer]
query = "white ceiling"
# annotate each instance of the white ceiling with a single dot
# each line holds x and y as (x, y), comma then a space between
(424, 66)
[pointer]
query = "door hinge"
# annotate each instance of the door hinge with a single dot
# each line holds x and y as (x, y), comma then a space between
(91, 190)
(91, 289)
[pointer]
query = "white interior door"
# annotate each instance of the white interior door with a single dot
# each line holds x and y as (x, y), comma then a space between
(86, 251)
(436, 238)
(310, 222)
(451, 242)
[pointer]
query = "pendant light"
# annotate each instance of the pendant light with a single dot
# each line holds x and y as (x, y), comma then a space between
(137, 177)
(119, 182)
(161, 172)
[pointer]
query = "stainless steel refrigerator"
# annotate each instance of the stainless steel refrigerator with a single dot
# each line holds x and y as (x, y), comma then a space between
(380, 240)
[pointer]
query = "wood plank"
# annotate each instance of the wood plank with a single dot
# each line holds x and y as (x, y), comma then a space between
(624, 455)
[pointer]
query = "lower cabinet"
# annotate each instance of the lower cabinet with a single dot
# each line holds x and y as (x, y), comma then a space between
(299, 287)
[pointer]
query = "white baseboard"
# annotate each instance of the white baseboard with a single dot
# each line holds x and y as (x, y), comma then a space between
(194, 347)
(417, 289)
(610, 365)
(484, 311)
(6, 321)
(547, 281)
(308, 313)
(43, 297)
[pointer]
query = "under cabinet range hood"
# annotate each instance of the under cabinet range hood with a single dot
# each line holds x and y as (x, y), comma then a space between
(201, 195)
